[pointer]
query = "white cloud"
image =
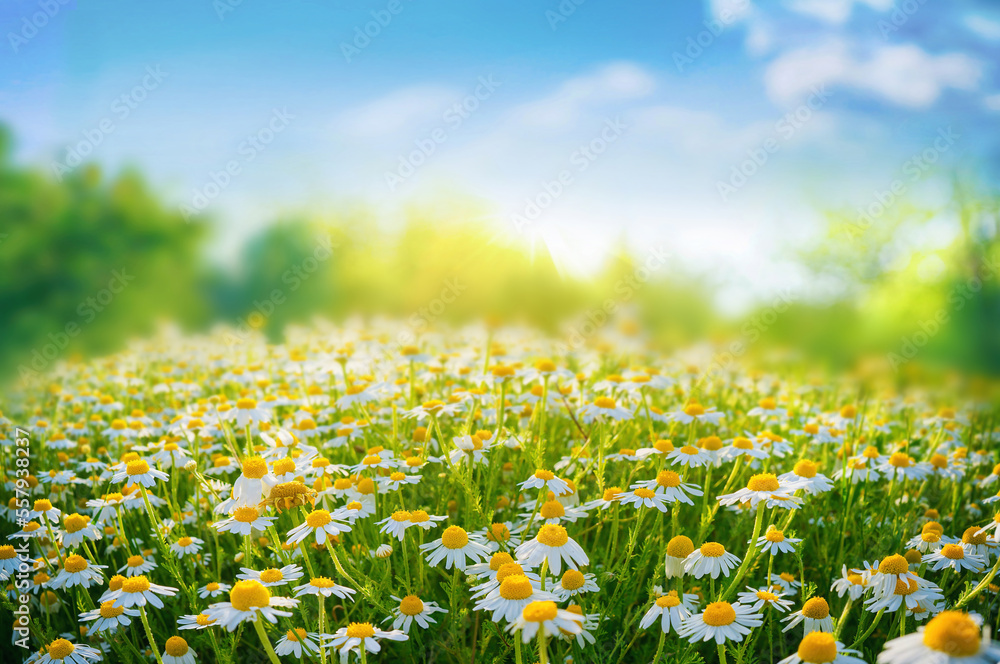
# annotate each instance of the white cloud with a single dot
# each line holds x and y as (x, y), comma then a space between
(834, 11)
(983, 26)
(992, 102)
(905, 74)
(617, 82)
(396, 111)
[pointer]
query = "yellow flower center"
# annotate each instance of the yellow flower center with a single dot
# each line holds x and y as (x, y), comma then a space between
(900, 460)
(693, 409)
(894, 564)
(135, 584)
(360, 631)
(743, 443)
(516, 586)
(644, 493)
(498, 532)
(612, 493)
(75, 523)
(7, 552)
(718, 614)
(246, 514)
(271, 575)
(322, 582)
(509, 569)
(552, 509)
(135, 561)
(712, 550)
(552, 535)
(953, 633)
(109, 610)
(418, 516)
(816, 608)
(544, 474)
(805, 468)
(185, 541)
(60, 649)
(203, 620)
(711, 443)
(970, 536)
(540, 611)
(605, 402)
(411, 605)
(318, 519)
(138, 467)
(255, 468)
(668, 478)
(573, 579)
(669, 600)
(454, 537)
(400, 516)
(818, 648)
(953, 551)
(766, 596)
(680, 547)
(75, 564)
(499, 559)
(247, 595)
(774, 535)
(763, 482)
(176, 646)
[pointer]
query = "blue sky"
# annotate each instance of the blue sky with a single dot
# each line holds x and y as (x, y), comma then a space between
(834, 97)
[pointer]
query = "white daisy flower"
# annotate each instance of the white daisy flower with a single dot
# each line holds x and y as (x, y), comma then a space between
(247, 600)
(139, 472)
(213, 589)
(690, 456)
(711, 559)
(77, 571)
(324, 586)
(775, 542)
(272, 576)
(187, 546)
(805, 476)
(395, 524)
(765, 486)
(108, 617)
(671, 485)
(642, 497)
(454, 547)
(320, 525)
(670, 612)
(298, 642)
(851, 582)
(136, 565)
(951, 637)
(138, 591)
(547, 479)
(604, 407)
(695, 411)
(758, 598)
(815, 614)
(362, 635)
(574, 582)
(64, 652)
(177, 651)
(554, 544)
(545, 616)
(907, 594)
(413, 609)
(822, 647)
(955, 557)
(721, 622)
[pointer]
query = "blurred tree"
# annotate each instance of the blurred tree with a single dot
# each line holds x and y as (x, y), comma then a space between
(87, 263)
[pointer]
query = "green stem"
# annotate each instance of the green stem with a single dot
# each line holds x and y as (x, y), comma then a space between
(149, 634)
(259, 626)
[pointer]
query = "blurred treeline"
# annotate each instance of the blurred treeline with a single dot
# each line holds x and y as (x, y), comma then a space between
(61, 243)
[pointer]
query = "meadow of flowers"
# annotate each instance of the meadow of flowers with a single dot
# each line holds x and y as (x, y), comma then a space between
(487, 495)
